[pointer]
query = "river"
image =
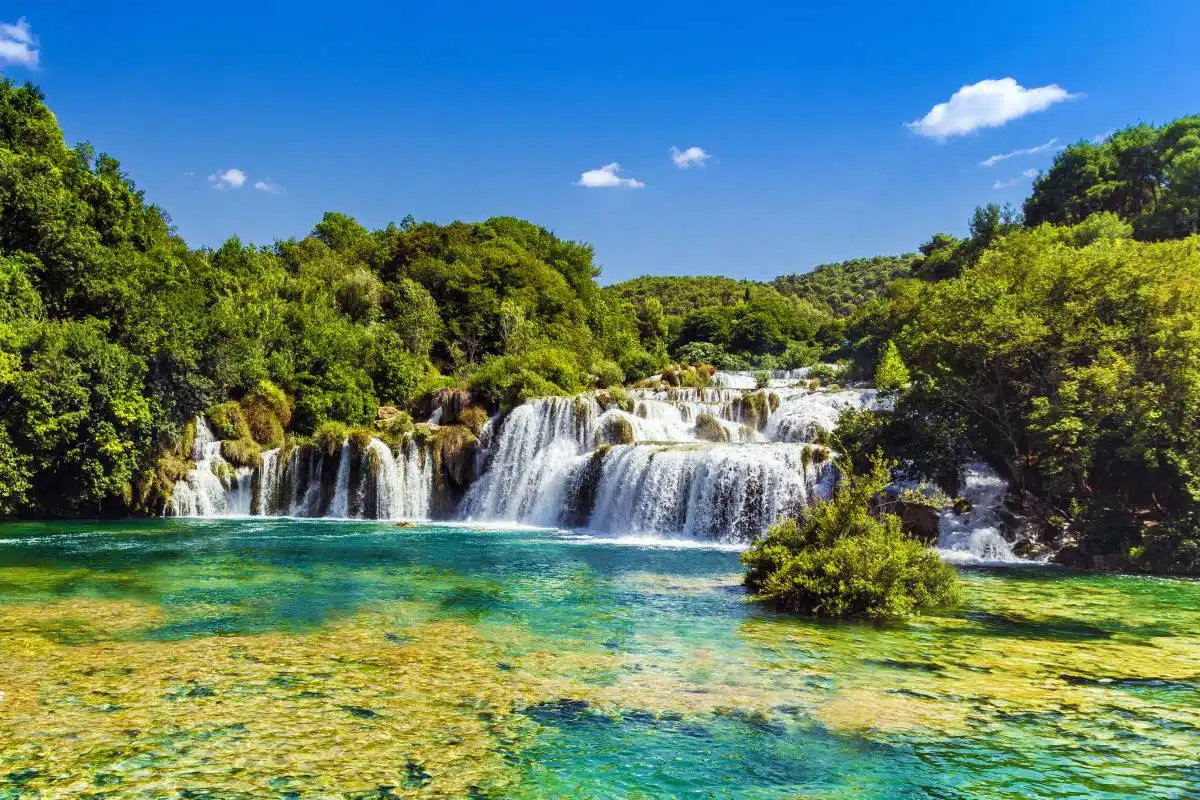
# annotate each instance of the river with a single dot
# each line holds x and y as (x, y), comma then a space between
(260, 657)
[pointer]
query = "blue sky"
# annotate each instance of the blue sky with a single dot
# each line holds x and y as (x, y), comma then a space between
(469, 110)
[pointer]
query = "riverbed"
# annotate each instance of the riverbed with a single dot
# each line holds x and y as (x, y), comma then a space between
(248, 658)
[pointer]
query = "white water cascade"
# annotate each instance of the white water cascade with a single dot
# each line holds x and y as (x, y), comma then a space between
(213, 487)
(403, 485)
(558, 462)
(640, 470)
(703, 491)
(974, 537)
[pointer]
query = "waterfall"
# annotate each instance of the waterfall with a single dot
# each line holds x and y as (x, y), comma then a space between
(404, 485)
(721, 492)
(538, 444)
(339, 507)
(974, 537)
(213, 487)
(802, 415)
(269, 476)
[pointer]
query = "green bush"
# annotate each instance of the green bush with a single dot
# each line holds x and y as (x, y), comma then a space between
(762, 379)
(329, 437)
(228, 421)
(844, 560)
(509, 380)
(890, 374)
(638, 364)
(825, 373)
(607, 373)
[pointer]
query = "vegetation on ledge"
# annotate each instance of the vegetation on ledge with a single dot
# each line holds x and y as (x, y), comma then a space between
(849, 558)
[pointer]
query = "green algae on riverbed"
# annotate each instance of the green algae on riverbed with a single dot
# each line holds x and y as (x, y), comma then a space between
(279, 658)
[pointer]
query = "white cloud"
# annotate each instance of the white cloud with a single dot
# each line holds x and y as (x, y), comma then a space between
(18, 45)
(268, 187)
(229, 179)
(1028, 174)
(692, 157)
(1100, 137)
(987, 104)
(1028, 151)
(606, 178)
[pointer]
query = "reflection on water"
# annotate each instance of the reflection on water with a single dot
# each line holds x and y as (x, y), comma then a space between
(291, 659)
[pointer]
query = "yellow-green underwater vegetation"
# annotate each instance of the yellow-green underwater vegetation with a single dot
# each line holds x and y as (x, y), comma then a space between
(293, 659)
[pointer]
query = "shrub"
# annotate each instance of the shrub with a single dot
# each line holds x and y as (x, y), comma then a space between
(241, 452)
(845, 560)
(891, 375)
(329, 437)
(825, 373)
(762, 379)
(638, 364)
(393, 425)
(474, 418)
(510, 380)
(607, 373)
(228, 421)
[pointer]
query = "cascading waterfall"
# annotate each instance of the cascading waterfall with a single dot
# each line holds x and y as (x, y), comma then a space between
(403, 485)
(974, 537)
(213, 487)
(269, 483)
(339, 507)
(802, 415)
(539, 442)
(307, 483)
(567, 461)
(721, 492)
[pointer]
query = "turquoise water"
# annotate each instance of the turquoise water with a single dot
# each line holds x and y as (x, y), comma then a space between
(284, 658)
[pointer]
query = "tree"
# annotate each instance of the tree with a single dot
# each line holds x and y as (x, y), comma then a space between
(891, 375)
(845, 558)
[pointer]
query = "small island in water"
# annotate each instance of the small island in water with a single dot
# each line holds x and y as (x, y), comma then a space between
(426, 511)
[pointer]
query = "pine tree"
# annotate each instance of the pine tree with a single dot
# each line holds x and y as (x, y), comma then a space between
(891, 374)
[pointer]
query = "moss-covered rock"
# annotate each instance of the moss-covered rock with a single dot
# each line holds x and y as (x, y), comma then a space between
(187, 440)
(710, 429)
(452, 401)
(360, 439)
(268, 412)
(615, 429)
(241, 452)
(392, 426)
(329, 437)
(474, 417)
(454, 449)
(228, 421)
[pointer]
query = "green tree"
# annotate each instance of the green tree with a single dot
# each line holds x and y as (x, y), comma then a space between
(890, 374)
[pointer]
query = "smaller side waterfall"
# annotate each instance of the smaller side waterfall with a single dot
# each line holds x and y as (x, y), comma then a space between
(403, 485)
(339, 507)
(213, 487)
(974, 537)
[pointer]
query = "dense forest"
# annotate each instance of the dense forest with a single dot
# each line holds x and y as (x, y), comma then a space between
(114, 333)
(1059, 344)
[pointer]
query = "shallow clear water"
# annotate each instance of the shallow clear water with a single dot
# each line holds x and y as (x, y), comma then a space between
(284, 658)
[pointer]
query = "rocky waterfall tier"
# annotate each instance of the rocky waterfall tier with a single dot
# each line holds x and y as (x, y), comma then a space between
(719, 463)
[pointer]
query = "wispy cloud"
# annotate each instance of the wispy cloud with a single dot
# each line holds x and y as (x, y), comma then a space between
(987, 104)
(228, 179)
(18, 45)
(268, 186)
(606, 178)
(1028, 174)
(1027, 151)
(1100, 137)
(692, 157)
